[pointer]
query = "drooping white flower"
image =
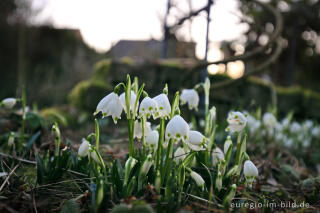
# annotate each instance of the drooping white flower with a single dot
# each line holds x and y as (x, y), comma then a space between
(9, 102)
(250, 170)
(152, 139)
(198, 179)
(269, 120)
(295, 127)
(196, 141)
(146, 165)
(217, 155)
(93, 155)
(148, 107)
(227, 144)
(11, 139)
(177, 129)
(133, 98)
(164, 107)
(237, 121)
(84, 148)
(253, 124)
(285, 122)
(138, 129)
(307, 125)
(110, 105)
(179, 155)
(3, 174)
(191, 97)
(315, 132)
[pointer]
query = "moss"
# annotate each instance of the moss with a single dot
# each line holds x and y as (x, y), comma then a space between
(55, 115)
(86, 94)
(102, 70)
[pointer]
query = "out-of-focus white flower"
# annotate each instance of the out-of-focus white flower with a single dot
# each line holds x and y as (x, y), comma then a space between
(198, 179)
(196, 141)
(148, 107)
(253, 123)
(138, 129)
(213, 113)
(84, 148)
(3, 174)
(133, 98)
(11, 139)
(146, 165)
(315, 132)
(250, 170)
(217, 155)
(177, 129)
(237, 121)
(295, 127)
(269, 120)
(164, 107)
(152, 139)
(110, 105)
(191, 97)
(288, 142)
(279, 127)
(227, 144)
(285, 122)
(9, 103)
(93, 155)
(307, 125)
(179, 155)
(280, 137)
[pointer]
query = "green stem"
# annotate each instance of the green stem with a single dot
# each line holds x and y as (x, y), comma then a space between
(97, 133)
(160, 145)
(143, 123)
(21, 141)
(238, 153)
(131, 132)
(167, 167)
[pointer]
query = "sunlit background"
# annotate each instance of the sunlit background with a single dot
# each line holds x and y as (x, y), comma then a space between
(103, 23)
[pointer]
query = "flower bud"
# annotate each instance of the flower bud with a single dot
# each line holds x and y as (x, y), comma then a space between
(198, 179)
(84, 148)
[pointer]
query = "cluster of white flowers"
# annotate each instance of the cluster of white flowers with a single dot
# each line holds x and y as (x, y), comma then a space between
(290, 133)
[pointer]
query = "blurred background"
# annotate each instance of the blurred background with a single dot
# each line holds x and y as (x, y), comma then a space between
(70, 53)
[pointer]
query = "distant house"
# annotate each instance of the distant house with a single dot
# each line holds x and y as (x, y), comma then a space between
(151, 49)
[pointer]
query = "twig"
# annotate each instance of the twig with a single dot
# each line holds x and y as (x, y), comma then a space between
(64, 181)
(19, 159)
(12, 171)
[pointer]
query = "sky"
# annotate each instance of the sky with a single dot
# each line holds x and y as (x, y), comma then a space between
(104, 22)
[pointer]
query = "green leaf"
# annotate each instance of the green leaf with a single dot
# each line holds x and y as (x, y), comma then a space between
(33, 139)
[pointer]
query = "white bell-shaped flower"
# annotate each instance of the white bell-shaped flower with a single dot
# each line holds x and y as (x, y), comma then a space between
(269, 120)
(177, 129)
(315, 132)
(148, 107)
(9, 102)
(191, 97)
(196, 141)
(227, 144)
(198, 179)
(93, 155)
(146, 165)
(84, 148)
(133, 98)
(110, 105)
(179, 155)
(237, 121)
(152, 139)
(11, 139)
(250, 170)
(295, 127)
(138, 129)
(217, 155)
(164, 107)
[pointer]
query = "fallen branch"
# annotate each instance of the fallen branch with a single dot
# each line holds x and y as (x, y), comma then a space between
(9, 175)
